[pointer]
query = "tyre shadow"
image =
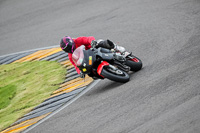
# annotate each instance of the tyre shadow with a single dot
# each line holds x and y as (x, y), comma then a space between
(132, 74)
(104, 87)
(107, 85)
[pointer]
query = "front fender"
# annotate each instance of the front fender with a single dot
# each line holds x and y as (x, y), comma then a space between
(100, 67)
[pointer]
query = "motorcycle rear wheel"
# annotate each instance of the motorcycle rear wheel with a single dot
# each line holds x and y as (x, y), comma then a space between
(135, 63)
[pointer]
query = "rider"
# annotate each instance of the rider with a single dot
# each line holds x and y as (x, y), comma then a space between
(69, 45)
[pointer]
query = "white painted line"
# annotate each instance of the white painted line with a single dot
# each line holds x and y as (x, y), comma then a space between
(64, 106)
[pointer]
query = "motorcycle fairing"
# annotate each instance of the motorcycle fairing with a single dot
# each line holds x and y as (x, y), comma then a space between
(105, 54)
(87, 62)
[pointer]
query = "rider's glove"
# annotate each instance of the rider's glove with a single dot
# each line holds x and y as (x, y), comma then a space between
(93, 43)
(82, 75)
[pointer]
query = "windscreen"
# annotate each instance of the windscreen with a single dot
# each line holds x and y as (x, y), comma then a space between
(78, 55)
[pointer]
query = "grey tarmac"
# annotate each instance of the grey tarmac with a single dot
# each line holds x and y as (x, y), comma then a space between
(164, 97)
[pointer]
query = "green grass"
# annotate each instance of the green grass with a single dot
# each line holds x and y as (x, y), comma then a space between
(6, 96)
(25, 85)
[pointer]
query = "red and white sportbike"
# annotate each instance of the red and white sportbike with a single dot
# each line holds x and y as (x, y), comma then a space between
(101, 63)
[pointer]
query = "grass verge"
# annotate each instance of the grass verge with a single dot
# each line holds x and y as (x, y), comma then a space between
(25, 85)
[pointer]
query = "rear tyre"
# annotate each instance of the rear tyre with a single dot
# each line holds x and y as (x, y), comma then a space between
(119, 76)
(135, 63)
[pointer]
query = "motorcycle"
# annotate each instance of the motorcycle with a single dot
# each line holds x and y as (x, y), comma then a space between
(101, 63)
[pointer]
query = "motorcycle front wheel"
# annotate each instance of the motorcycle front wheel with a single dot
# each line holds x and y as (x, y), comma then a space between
(117, 75)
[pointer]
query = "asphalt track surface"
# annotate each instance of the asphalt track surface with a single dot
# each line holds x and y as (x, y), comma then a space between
(165, 34)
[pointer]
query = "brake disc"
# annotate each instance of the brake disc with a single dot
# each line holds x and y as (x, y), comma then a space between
(119, 72)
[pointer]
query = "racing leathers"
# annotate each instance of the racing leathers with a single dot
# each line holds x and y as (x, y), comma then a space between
(86, 41)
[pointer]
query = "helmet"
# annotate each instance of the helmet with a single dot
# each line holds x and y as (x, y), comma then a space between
(67, 44)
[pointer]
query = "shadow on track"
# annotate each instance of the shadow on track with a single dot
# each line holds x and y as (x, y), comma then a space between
(109, 85)
(132, 74)
(106, 87)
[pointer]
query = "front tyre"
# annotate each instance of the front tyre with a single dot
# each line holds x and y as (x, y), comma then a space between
(118, 75)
